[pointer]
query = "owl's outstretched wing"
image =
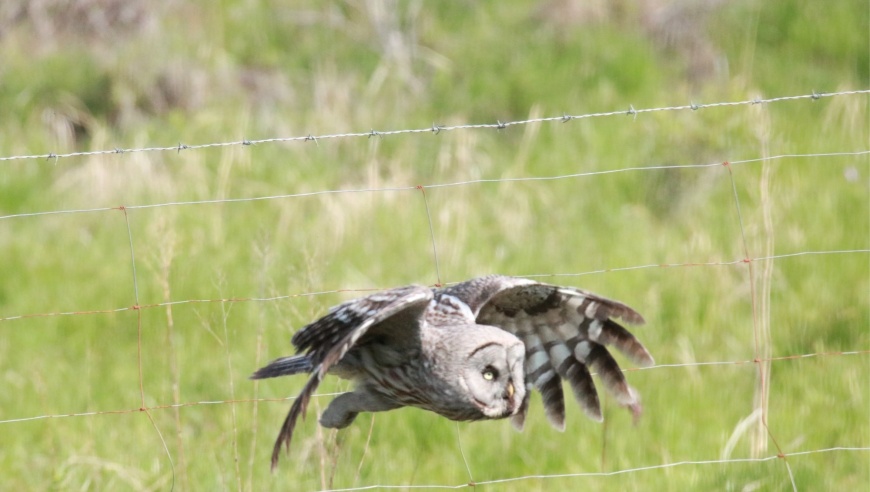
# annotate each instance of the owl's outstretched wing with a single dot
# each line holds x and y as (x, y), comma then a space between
(566, 331)
(391, 317)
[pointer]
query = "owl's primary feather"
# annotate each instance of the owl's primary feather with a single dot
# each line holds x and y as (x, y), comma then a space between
(471, 351)
(564, 330)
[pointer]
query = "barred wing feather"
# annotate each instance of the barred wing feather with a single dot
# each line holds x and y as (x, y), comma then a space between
(566, 332)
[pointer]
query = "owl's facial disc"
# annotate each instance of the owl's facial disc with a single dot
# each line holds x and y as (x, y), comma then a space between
(494, 377)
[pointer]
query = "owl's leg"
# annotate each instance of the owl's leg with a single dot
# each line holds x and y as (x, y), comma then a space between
(345, 407)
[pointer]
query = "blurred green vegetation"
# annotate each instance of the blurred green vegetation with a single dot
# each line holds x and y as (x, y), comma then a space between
(105, 74)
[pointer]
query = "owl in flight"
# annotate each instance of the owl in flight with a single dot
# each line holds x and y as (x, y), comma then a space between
(471, 351)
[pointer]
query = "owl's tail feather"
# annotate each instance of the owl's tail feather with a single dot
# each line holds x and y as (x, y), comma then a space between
(300, 405)
(284, 366)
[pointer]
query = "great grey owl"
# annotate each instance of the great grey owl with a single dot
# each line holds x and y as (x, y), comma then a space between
(470, 351)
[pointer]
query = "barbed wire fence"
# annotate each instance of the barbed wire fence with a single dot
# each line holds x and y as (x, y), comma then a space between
(748, 259)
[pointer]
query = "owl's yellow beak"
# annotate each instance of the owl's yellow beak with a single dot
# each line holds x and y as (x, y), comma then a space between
(510, 389)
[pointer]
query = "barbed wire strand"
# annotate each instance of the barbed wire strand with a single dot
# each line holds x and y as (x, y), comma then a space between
(437, 129)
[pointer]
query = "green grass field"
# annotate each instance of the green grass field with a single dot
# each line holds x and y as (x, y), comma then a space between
(236, 247)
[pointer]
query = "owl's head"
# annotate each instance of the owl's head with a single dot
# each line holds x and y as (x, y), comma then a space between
(493, 372)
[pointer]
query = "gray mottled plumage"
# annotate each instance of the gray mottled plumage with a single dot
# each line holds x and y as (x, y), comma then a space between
(471, 351)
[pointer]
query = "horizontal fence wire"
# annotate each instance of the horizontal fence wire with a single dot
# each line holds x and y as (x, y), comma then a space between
(332, 394)
(363, 290)
(851, 153)
(606, 474)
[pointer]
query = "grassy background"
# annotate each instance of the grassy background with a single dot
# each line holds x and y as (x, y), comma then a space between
(104, 74)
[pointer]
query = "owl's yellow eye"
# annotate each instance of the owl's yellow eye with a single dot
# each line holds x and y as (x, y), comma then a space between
(490, 373)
